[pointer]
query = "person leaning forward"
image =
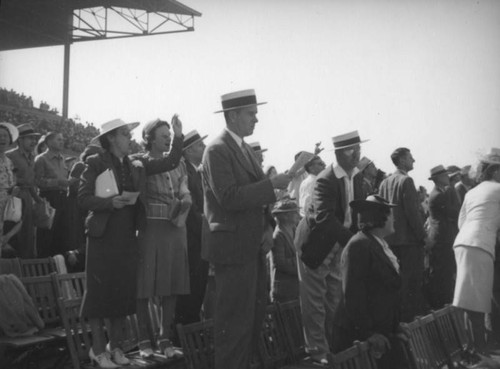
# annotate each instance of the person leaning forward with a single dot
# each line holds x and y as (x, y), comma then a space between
(236, 196)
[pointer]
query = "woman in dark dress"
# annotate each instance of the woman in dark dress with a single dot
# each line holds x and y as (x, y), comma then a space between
(369, 309)
(112, 225)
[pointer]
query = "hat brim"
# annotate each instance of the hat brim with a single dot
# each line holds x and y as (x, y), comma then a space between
(285, 211)
(363, 205)
(440, 173)
(35, 134)
(195, 141)
(350, 145)
(12, 129)
(263, 150)
(490, 161)
(239, 107)
(130, 126)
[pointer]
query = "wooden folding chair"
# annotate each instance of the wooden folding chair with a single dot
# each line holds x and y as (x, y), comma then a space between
(37, 267)
(291, 321)
(425, 348)
(69, 286)
(197, 340)
(355, 357)
(273, 349)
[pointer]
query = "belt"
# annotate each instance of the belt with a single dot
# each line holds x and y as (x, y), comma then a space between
(159, 211)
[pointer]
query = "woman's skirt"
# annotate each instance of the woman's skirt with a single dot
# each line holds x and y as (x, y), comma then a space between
(111, 266)
(474, 283)
(163, 263)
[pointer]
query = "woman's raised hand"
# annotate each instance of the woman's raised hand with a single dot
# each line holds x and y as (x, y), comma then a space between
(176, 125)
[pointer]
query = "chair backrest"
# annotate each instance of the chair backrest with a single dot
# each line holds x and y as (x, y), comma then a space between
(77, 329)
(44, 296)
(355, 357)
(11, 266)
(69, 286)
(37, 267)
(197, 340)
(425, 348)
(273, 347)
(291, 321)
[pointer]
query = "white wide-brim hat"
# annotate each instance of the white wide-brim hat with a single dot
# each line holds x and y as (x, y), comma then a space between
(238, 100)
(493, 157)
(13, 131)
(114, 124)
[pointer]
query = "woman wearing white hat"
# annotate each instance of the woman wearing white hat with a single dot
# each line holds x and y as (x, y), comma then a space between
(112, 224)
(8, 135)
(474, 247)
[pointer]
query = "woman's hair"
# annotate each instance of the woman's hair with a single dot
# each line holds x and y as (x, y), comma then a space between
(485, 171)
(104, 139)
(149, 136)
(370, 219)
(8, 132)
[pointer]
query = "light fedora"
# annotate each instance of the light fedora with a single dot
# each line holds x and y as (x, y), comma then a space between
(363, 163)
(191, 138)
(346, 140)
(285, 206)
(438, 170)
(26, 130)
(493, 157)
(238, 100)
(372, 202)
(256, 147)
(12, 129)
(114, 124)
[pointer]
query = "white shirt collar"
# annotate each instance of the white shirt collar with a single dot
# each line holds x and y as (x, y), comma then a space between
(340, 172)
(235, 137)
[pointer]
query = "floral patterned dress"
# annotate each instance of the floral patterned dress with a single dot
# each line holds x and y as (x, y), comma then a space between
(7, 181)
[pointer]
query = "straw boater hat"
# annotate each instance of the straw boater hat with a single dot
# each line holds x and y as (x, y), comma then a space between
(114, 124)
(13, 132)
(493, 157)
(371, 203)
(438, 170)
(191, 138)
(363, 163)
(256, 147)
(285, 206)
(346, 140)
(238, 100)
(26, 130)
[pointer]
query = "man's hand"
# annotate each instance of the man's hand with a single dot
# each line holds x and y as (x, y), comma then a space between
(176, 125)
(379, 344)
(281, 181)
(119, 202)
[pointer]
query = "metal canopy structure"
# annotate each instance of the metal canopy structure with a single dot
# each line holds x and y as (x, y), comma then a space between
(38, 23)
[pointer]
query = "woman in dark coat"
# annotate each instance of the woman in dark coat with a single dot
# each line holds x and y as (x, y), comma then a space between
(112, 225)
(369, 309)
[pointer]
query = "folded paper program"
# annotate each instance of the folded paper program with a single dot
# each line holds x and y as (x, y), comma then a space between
(105, 184)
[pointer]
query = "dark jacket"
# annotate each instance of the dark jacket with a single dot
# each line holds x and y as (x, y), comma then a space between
(399, 189)
(326, 228)
(444, 208)
(141, 167)
(370, 290)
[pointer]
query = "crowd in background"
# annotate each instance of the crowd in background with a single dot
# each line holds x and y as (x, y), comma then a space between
(361, 249)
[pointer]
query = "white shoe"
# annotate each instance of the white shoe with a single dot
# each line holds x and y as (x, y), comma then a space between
(103, 360)
(146, 353)
(117, 355)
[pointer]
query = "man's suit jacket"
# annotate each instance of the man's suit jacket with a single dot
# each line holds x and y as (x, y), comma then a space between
(140, 167)
(370, 290)
(236, 192)
(461, 191)
(327, 227)
(194, 219)
(399, 189)
(443, 216)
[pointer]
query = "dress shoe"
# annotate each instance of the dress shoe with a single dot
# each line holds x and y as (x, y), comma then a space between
(103, 360)
(117, 355)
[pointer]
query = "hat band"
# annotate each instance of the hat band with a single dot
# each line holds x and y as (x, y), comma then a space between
(351, 141)
(27, 132)
(438, 173)
(191, 140)
(239, 101)
(256, 148)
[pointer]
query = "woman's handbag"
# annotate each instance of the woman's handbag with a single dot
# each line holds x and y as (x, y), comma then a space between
(13, 209)
(43, 214)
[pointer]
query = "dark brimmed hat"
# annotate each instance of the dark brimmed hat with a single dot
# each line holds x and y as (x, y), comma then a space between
(256, 147)
(238, 100)
(346, 140)
(191, 138)
(438, 170)
(285, 206)
(114, 124)
(26, 130)
(371, 203)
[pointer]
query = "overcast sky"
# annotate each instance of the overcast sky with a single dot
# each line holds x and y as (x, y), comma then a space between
(421, 74)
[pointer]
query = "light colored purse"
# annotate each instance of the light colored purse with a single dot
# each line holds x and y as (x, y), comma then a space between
(13, 209)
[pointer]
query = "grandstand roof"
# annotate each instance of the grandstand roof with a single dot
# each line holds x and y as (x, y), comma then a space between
(35, 23)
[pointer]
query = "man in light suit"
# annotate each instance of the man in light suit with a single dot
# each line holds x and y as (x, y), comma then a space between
(407, 242)
(187, 309)
(236, 196)
(319, 241)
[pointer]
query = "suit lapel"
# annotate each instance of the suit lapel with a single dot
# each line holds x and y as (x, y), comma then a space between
(239, 154)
